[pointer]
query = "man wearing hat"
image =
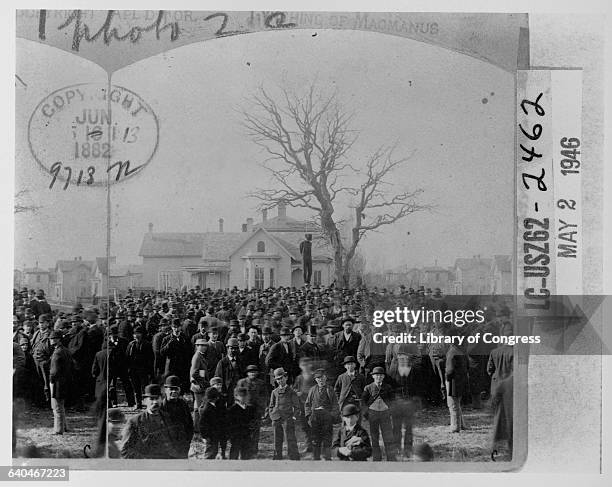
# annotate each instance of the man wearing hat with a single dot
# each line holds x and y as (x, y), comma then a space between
(345, 343)
(248, 356)
(257, 398)
(177, 417)
(118, 365)
(39, 305)
(60, 379)
(230, 368)
(199, 377)
(140, 363)
(284, 409)
(77, 341)
(176, 348)
(215, 350)
(321, 409)
(114, 424)
(280, 355)
(159, 362)
(376, 402)
(41, 352)
(213, 422)
(350, 384)
(146, 434)
(352, 442)
(310, 348)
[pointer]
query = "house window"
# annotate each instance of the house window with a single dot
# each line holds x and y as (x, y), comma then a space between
(271, 277)
(259, 277)
(437, 276)
(246, 277)
(37, 277)
(261, 246)
(317, 278)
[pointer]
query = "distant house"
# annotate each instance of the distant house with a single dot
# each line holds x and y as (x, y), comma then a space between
(501, 274)
(260, 256)
(437, 277)
(36, 278)
(73, 280)
(122, 277)
(472, 276)
(17, 279)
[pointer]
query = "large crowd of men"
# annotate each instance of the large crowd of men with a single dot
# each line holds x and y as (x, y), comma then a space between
(216, 365)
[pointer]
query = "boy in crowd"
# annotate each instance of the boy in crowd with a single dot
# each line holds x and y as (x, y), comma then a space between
(241, 419)
(321, 408)
(352, 441)
(283, 409)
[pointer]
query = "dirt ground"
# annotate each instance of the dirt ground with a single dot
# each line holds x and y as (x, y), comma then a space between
(431, 425)
(35, 438)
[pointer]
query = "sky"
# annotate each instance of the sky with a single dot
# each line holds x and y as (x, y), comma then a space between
(453, 112)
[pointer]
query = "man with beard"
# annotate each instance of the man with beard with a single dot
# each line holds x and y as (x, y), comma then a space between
(280, 356)
(146, 435)
(177, 416)
(405, 380)
(176, 348)
(230, 369)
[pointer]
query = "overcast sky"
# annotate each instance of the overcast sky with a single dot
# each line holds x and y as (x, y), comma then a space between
(454, 111)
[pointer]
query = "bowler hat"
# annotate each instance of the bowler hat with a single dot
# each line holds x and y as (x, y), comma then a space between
(297, 326)
(200, 341)
(243, 337)
(172, 381)
(252, 368)
(266, 330)
(152, 390)
(312, 330)
(349, 359)
(211, 394)
(350, 410)
(285, 331)
(280, 372)
(139, 329)
(377, 370)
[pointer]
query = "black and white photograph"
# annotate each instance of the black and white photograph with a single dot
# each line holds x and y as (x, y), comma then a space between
(289, 240)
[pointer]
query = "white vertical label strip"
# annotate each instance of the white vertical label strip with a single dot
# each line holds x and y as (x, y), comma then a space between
(534, 192)
(568, 166)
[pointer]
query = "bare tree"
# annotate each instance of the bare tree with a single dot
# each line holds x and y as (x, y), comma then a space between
(21, 206)
(308, 139)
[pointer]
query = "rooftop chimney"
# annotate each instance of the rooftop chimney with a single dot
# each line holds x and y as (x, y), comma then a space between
(244, 228)
(264, 215)
(150, 228)
(282, 209)
(220, 225)
(249, 224)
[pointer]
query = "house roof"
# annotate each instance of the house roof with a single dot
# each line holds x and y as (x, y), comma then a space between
(171, 245)
(70, 265)
(503, 263)
(434, 268)
(35, 270)
(287, 224)
(217, 246)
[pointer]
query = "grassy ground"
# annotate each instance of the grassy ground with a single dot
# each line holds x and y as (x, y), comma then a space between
(35, 438)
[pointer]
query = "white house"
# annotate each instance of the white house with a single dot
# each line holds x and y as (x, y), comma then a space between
(260, 256)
